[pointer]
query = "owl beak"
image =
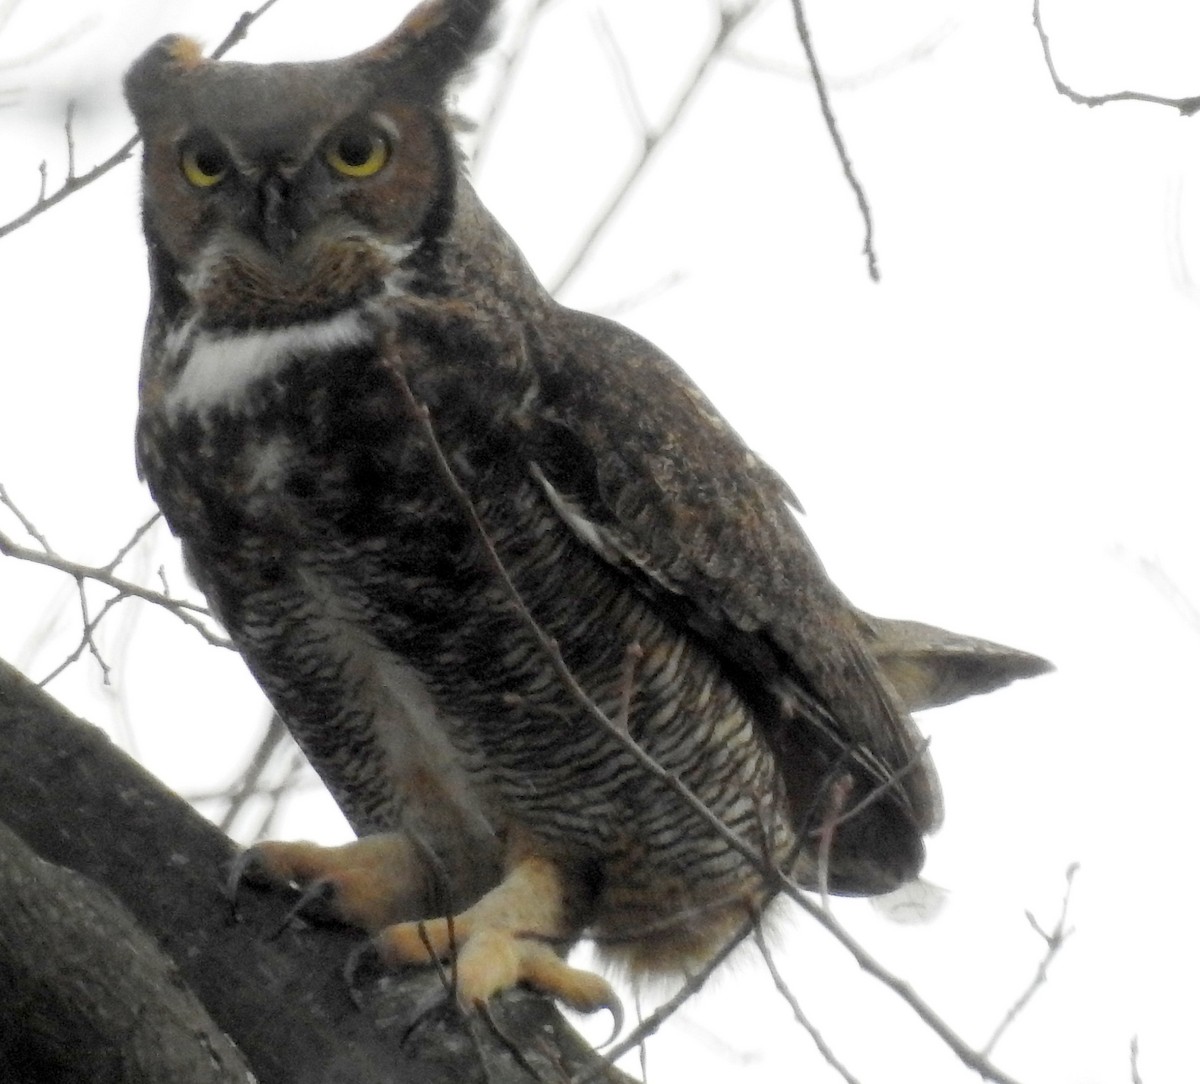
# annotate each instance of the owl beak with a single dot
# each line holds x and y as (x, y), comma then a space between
(275, 228)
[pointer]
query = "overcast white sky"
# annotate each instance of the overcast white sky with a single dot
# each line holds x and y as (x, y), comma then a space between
(999, 437)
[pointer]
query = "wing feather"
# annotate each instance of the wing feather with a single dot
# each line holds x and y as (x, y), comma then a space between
(648, 474)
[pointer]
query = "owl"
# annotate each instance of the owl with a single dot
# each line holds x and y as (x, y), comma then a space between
(548, 630)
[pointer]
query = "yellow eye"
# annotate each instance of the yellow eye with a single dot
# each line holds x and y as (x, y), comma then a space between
(204, 164)
(358, 152)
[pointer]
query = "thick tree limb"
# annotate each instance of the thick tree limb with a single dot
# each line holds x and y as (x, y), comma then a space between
(80, 803)
(95, 996)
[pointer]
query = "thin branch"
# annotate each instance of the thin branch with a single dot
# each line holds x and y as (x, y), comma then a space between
(668, 1008)
(486, 128)
(921, 50)
(240, 28)
(89, 629)
(620, 66)
(1186, 106)
(248, 785)
(831, 125)
(839, 791)
(1055, 940)
(69, 130)
(1162, 581)
(50, 45)
(275, 795)
(652, 139)
(69, 187)
(972, 1059)
(187, 612)
(787, 995)
(74, 182)
(134, 539)
(25, 522)
(1135, 1075)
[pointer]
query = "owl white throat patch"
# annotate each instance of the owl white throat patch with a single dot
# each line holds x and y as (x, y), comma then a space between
(220, 367)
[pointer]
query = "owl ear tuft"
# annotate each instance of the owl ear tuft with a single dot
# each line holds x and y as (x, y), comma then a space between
(164, 61)
(437, 42)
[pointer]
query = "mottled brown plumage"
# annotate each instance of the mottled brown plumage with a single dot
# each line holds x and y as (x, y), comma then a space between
(316, 253)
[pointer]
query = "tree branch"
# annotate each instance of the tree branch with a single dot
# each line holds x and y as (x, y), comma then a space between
(652, 139)
(856, 187)
(1055, 940)
(75, 181)
(190, 613)
(96, 996)
(81, 803)
(1186, 106)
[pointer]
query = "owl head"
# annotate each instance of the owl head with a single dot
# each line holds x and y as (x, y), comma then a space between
(281, 192)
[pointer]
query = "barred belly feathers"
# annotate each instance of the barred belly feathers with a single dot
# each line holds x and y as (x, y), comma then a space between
(405, 478)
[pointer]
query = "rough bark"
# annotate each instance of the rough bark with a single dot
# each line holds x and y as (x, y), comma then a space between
(79, 803)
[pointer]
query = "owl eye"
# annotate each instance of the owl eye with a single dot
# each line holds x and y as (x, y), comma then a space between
(358, 152)
(204, 164)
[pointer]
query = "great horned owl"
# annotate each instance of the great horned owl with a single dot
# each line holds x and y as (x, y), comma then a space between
(448, 522)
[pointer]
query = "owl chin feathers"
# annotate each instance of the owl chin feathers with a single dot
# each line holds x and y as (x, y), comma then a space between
(240, 285)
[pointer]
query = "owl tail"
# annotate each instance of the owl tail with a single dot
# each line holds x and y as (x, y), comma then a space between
(928, 666)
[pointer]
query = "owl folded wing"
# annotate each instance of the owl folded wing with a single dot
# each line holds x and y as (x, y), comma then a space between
(652, 478)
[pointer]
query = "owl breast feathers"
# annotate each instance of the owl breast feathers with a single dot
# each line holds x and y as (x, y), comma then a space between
(416, 490)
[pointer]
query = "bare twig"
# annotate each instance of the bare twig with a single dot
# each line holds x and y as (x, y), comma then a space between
(1135, 1075)
(890, 783)
(134, 539)
(485, 129)
(74, 182)
(1055, 940)
(86, 640)
(276, 794)
(915, 53)
(668, 1008)
(249, 784)
(51, 45)
(801, 1019)
(187, 612)
(89, 628)
(831, 125)
(240, 28)
(68, 129)
(25, 522)
(839, 791)
(972, 1059)
(1186, 106)
(620, 65)
(1162, 581)
(652, 139)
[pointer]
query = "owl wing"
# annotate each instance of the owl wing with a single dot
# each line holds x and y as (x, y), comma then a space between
(647, 473)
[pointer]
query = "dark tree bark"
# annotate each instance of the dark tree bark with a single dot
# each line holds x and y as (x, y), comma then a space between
(118, 947)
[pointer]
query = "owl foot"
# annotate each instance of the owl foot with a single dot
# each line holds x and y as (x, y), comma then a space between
(367, 883)
(505, 939)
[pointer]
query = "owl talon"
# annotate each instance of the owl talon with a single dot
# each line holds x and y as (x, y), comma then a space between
(316, 903)
(363, 964)
(368, 883)
(248, 868)
(617, 1010)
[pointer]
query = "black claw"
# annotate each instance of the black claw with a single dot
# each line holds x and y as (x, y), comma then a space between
(314, 902)
(362, 965)
(244, 868)
(615, 1007)
(436, 1001)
